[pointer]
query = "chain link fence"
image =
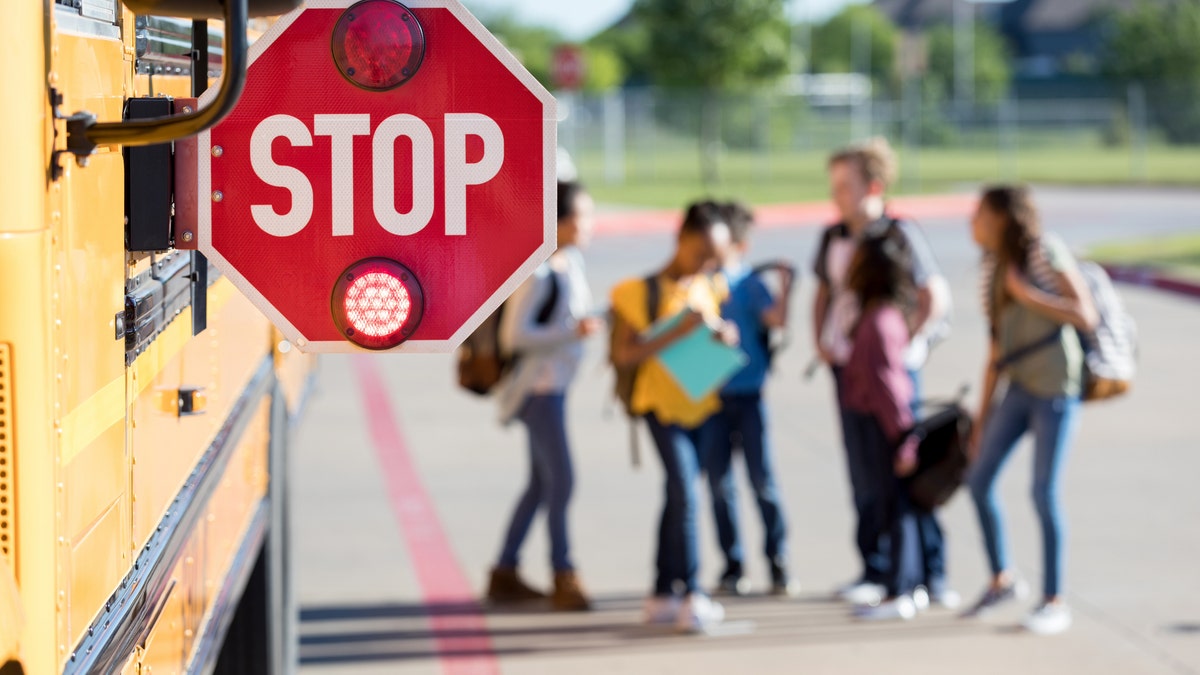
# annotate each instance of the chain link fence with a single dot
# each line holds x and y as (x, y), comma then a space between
(636, 137)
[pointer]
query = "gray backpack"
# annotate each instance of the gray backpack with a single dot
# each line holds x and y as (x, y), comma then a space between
(1110, 351)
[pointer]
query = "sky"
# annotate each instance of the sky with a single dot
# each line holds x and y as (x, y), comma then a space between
(579, 19)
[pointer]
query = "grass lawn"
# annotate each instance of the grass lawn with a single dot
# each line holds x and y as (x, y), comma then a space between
(1178, 255)
(670, 177)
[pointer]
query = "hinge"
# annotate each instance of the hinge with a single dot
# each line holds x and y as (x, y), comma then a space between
(78, 143)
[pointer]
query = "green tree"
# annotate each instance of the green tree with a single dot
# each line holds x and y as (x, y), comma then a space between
(992, 71)
(714, 46)
(532, 45)
(1155, 45)
(834, 43)
(630, 42)
(603, 69)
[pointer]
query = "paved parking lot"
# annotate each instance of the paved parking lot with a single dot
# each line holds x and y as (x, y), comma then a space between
(403, 485)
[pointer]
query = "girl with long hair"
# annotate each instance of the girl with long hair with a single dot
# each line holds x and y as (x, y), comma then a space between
(877, 395)
(1035, 300)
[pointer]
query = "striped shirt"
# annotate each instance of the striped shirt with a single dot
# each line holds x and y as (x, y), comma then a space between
(1057, 369)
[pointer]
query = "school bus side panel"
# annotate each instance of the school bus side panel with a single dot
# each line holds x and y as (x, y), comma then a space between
(93, 501)
(24, 326)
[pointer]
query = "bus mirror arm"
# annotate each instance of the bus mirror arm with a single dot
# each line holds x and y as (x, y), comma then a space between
(85, 134)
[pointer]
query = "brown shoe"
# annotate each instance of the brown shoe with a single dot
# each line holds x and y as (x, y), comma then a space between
(568, 593)
(506, 586)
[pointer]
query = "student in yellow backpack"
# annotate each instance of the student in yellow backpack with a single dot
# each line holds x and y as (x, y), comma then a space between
(685, 286)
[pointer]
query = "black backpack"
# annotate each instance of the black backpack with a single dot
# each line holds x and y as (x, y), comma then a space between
(772, 341)
(482, 363)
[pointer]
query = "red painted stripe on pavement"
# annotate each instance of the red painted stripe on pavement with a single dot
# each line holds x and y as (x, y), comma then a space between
(1152, 278)
(460, 637)
(788, 215)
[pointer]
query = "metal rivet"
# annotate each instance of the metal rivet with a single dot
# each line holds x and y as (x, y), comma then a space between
(187, 109)
(188, 236)
(349, 71)
(405, 72)
(404, 17)
(217, 195)
(349, 331)
(217, 151)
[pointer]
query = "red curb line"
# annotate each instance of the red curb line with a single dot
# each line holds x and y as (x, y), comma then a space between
(461, 639)
(1151, 278)
(788, 216)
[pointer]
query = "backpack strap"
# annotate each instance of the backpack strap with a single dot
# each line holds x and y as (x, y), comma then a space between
(546, 311)
(653, 298)
(1028, 350)
(653, 301)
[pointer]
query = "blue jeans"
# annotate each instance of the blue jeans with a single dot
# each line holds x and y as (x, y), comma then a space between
(678, 558)
(551, 481)
(742, 419)
(1053, 422)
(891, 512)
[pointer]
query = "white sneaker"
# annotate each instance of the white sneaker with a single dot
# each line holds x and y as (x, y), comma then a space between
(698, 613)
(661, 610)
(946, 599)
(1049, 619)
(920, 598)
(901, 608)
(863, 593)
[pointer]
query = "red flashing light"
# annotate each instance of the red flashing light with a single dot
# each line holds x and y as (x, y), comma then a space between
(377, 303)
(378, 44)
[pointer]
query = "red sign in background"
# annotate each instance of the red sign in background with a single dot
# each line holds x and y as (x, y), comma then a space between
(509, 220)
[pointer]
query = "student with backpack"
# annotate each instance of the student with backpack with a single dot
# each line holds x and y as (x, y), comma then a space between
(742, 419)
(1035, 300)
(686, 291)
(877, 395)
(543, 328)
(859, 177)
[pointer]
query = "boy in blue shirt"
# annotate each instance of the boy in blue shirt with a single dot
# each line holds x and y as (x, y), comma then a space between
(742, 419)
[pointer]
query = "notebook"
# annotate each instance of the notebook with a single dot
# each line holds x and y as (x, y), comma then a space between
(699, 362)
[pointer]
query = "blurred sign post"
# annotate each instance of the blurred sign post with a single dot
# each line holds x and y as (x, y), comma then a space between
(569, 68)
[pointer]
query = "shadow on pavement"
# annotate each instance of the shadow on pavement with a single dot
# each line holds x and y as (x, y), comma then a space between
(344, 634)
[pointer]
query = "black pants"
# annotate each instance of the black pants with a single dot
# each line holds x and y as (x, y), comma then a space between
(890, 511)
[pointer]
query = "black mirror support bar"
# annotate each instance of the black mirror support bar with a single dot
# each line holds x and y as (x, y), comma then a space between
(167, 129)
(199, 57)
(199, 84)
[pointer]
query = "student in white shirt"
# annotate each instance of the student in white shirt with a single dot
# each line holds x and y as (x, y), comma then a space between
(544, 326)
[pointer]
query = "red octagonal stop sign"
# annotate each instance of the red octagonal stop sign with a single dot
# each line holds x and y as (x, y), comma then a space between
(387, 166)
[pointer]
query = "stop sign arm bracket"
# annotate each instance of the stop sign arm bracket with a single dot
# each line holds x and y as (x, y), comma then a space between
(85, 134)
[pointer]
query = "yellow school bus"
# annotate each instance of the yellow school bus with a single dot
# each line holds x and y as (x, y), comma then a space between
(144, 403)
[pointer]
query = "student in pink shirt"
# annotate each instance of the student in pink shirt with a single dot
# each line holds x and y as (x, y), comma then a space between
(877, 395)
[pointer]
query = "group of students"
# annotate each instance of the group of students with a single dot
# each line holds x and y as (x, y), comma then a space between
(880, 306)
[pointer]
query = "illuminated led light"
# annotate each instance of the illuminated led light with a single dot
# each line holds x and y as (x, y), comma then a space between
(377, 303)
(378, 44)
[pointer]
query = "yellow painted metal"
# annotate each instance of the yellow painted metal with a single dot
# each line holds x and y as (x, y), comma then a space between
(109, 456)
(92, 492)
(10, 616)
(24, 324)
(7, 457)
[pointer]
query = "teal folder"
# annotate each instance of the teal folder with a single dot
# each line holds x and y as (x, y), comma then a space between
(699, 362)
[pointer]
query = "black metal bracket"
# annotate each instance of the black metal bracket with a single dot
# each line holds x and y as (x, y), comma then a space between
(85, 134)
(78, 143)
